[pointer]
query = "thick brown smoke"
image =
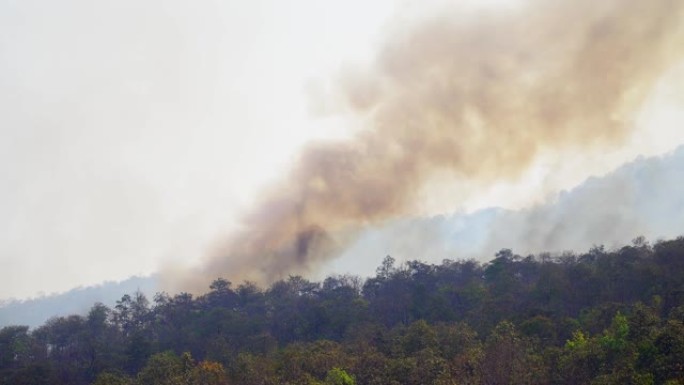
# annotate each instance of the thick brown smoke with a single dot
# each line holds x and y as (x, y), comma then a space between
(479, 95)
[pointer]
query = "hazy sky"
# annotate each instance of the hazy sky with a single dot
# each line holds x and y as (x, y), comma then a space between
(134, 132)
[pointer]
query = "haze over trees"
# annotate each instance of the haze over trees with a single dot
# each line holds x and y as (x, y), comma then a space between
(35, 311)
(641, 197)
(599, 317)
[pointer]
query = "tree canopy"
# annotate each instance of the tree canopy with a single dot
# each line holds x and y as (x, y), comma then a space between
(600, 317)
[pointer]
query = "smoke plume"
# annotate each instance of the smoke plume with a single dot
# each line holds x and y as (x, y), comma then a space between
(641, 198)
(478, 95)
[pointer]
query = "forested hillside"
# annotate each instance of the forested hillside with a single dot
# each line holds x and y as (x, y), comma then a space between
(35, 311)
(601, 317)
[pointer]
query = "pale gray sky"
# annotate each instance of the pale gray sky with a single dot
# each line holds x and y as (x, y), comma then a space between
(131, 130)
(134, 132)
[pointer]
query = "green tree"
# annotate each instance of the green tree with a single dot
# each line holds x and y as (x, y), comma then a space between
(67, 350)
(15, 347)
(162, 369)
(111, 378)
(337, 376)
(509, 358)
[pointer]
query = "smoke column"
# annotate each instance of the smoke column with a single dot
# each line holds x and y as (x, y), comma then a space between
(479, 95)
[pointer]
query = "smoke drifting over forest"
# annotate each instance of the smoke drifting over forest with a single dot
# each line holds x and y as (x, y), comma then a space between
(642, 198)
(480, 96)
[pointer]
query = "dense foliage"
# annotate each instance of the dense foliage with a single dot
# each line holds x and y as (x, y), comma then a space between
(602, 317)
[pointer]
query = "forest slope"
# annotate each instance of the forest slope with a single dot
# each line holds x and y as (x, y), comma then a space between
(603, 317)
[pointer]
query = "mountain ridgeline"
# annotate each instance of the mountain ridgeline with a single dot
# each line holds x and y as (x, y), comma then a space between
(599, 317)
